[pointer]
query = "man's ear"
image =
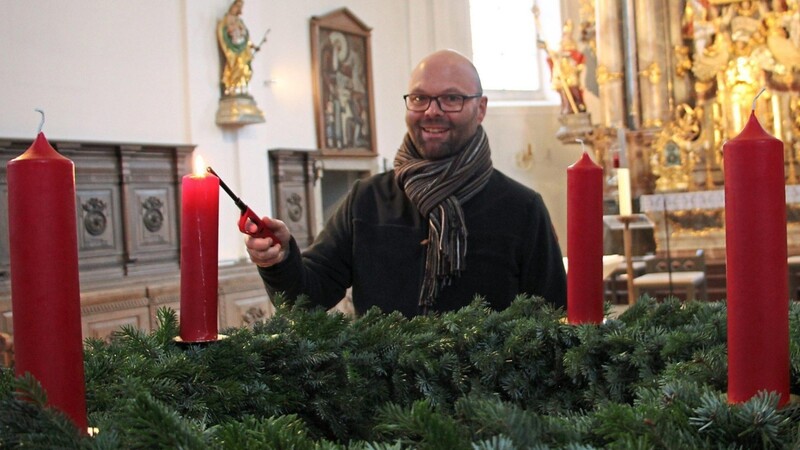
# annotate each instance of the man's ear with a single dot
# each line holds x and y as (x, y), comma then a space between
(482, 108)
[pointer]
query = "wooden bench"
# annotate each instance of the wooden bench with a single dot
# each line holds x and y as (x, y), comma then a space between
(680, 276)
(618, 280)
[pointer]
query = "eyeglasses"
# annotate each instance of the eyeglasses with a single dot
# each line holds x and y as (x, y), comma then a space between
(446, 102)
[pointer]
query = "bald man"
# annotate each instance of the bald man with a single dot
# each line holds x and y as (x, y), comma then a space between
(441, 228)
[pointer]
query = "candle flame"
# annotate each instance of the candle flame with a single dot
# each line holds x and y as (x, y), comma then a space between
(198, 166)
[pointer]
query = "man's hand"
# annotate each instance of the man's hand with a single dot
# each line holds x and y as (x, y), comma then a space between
(263, 251)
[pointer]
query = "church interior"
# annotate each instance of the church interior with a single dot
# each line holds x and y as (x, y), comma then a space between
(658, 104)
(289, 103)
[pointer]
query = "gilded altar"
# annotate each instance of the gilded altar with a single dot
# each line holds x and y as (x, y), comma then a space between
(686, 221)
(683, 81)
(672, 82)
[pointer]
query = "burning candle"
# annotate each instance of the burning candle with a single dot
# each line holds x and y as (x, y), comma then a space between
(199, 250)
(624, 190)
(45, 290)
(585, 242)
(755, 236)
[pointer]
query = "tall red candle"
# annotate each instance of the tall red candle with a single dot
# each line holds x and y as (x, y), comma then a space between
(199, 250)
(755, 237)
(45, 289)
(585, 242)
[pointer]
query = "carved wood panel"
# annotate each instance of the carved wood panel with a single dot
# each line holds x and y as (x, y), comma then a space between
(293, 180)
(126, 206)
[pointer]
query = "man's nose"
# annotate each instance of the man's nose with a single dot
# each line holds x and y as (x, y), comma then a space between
(434, 109)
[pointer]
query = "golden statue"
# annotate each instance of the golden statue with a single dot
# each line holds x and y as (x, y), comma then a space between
(237, 106)
(566, 66)
(237, 49)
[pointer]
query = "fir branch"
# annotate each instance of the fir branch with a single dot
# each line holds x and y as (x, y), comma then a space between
(27, 422)
(6, 381)
(284, 432)
(422, 427)
(473, 378)
(147, 423)
(168, 327)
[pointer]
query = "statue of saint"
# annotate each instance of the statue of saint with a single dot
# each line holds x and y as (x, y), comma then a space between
(237, 49)
(566, 66)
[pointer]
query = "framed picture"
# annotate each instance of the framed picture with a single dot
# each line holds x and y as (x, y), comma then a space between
(342, 75)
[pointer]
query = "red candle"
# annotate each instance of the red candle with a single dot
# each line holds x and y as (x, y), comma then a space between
(45, 289)
(755, 236)
(585, 242)
(199, 249)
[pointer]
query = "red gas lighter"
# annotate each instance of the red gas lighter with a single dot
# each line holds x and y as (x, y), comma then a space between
(247, 214)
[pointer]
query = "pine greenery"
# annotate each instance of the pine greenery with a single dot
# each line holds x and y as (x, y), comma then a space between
(521, 378)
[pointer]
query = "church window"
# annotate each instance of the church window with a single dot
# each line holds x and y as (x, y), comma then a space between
(504, 47)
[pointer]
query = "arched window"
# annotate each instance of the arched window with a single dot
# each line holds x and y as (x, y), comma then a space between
(504, 47)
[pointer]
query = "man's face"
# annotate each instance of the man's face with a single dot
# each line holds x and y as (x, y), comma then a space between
(435, 133)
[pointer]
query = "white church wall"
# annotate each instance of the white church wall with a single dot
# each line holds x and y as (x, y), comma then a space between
(148, 71)
(511, 130)
(100, 70)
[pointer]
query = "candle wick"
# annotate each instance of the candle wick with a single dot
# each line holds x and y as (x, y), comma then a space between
(41, 124)
(758, 95)
(583, 147)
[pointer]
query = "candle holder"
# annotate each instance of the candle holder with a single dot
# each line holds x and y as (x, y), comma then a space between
(627, 239)
(178, 340)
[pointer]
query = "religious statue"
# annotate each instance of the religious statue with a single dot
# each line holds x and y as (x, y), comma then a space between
(238, 50)
(237, 106)
(784, 66)
(566, 66)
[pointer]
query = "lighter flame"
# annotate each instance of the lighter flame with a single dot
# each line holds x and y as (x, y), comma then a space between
(198, 166)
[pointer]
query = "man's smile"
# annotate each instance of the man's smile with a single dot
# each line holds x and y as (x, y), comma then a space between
(434, 129)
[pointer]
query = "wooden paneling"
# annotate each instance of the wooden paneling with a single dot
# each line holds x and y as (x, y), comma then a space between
(293, 177)
(127, 209)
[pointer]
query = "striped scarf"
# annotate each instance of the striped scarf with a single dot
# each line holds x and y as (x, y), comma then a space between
(438, 188)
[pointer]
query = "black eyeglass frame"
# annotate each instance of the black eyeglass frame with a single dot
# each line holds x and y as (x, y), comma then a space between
(431, 98)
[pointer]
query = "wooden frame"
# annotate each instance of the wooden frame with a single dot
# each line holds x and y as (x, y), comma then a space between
(341, 65)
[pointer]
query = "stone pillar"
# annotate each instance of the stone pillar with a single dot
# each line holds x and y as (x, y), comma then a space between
(655, 69)
(610, 78)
